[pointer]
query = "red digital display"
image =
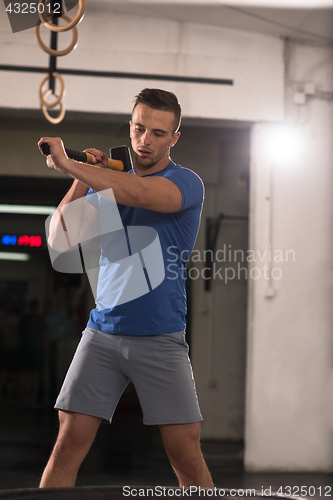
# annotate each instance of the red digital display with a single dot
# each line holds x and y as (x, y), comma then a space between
(29, 241)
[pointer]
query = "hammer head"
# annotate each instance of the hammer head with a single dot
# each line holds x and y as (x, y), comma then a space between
(123, 154)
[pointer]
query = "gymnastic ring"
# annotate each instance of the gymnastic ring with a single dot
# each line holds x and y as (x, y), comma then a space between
(53, 52)
(58, 94)
(73, 22)
(59, 118)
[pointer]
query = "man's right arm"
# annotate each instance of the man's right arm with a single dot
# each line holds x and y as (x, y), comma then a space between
(74, 220)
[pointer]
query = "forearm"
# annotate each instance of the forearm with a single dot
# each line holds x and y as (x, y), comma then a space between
(77, 190)
(57, 239)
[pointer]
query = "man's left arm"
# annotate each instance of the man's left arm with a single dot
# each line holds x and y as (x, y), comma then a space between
(153, 193)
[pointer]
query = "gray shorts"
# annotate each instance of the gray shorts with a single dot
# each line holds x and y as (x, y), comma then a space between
(157, 365)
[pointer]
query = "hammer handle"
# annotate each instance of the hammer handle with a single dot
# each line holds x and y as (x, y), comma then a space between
(85, 157)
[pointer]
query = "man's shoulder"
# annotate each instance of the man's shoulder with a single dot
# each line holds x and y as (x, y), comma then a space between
(189, 184)
(184, 172)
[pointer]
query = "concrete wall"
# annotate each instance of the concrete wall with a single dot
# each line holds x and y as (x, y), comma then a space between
(109, 42)
(289, 365)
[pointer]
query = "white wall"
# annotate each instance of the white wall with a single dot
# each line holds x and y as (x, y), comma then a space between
(289, 366)
(109, 42)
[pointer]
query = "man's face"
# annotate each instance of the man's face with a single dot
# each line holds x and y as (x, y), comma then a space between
(152, 135)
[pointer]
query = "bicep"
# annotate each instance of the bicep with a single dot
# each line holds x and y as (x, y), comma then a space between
(161, 195)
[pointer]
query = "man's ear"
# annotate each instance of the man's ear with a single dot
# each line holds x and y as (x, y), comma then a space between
(176, 136)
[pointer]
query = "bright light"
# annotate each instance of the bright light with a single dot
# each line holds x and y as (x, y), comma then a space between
(282, 144)
(14, 256)
(26, 209)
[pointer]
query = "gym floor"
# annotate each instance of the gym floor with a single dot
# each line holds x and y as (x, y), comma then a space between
(127, 453)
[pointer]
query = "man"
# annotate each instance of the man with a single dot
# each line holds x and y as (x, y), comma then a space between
(141, 340)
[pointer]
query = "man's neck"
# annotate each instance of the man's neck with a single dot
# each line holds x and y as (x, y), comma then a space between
(158, 167)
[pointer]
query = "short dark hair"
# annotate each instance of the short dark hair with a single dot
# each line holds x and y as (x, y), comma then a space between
(160, 99)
